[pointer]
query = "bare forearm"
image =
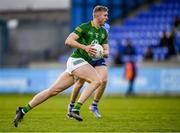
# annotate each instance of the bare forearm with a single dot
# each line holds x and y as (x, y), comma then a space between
(74, 44)
(106, 51)
(106, 54)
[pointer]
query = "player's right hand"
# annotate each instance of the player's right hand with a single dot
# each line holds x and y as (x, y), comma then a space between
(90, 50)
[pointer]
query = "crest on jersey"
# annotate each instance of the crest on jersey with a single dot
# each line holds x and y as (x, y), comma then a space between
(95, 42)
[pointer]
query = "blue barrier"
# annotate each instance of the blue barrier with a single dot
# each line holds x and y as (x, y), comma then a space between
(150, 80)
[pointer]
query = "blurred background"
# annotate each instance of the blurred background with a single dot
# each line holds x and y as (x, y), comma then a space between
(147, 32)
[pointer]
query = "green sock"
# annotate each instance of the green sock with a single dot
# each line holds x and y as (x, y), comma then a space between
(77, 106)
(26, 108)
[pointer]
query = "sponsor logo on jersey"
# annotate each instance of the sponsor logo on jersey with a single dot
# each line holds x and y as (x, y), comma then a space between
(96, 34)
(103, 36)
(78, 29)
(90, 32)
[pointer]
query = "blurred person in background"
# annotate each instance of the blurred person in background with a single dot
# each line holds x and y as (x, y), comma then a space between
(101, 68)
(171, 41)
(129, 50)
(77, 64)
(167, 41)
(149, 53)
(130, 75)
(177, 23)
(130, 68)
(124, 50)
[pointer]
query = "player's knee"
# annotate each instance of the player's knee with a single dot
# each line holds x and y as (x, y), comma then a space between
(104, 82)
(98, 82)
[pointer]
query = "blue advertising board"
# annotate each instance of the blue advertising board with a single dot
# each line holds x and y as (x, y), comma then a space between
(156, 80)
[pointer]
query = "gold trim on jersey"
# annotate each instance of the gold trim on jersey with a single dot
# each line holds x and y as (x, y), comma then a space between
(78, 29)
(93, 25)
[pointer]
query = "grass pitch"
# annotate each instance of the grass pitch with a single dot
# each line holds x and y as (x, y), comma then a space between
(120, 114)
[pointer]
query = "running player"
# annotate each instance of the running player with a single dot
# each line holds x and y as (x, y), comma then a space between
(77, 64)
(100, 66)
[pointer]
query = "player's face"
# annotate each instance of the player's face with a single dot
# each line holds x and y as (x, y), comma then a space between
(102, 17)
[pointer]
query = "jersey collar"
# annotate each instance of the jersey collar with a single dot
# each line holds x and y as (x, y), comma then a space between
(93, 25)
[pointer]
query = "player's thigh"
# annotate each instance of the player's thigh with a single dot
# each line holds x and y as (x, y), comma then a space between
(103, 72)
(64, 81)
(86, 72)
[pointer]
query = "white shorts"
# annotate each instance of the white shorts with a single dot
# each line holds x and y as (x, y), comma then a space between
(74, 63)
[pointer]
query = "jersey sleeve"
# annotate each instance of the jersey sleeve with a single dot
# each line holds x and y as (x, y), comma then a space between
(80, 30)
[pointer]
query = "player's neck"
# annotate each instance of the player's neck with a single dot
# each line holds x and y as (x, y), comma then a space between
(95, 24)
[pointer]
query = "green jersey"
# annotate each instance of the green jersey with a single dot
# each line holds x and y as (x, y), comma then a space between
(89, 34)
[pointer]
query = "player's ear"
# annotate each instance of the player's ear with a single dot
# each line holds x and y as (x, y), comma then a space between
(97, 14)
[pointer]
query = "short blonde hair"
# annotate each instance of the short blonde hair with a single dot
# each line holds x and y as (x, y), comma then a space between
(99, 8)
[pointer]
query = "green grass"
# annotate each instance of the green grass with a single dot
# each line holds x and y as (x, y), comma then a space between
(119, 114)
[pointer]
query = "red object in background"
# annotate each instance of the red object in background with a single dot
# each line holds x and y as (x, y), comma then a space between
(130, 70)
